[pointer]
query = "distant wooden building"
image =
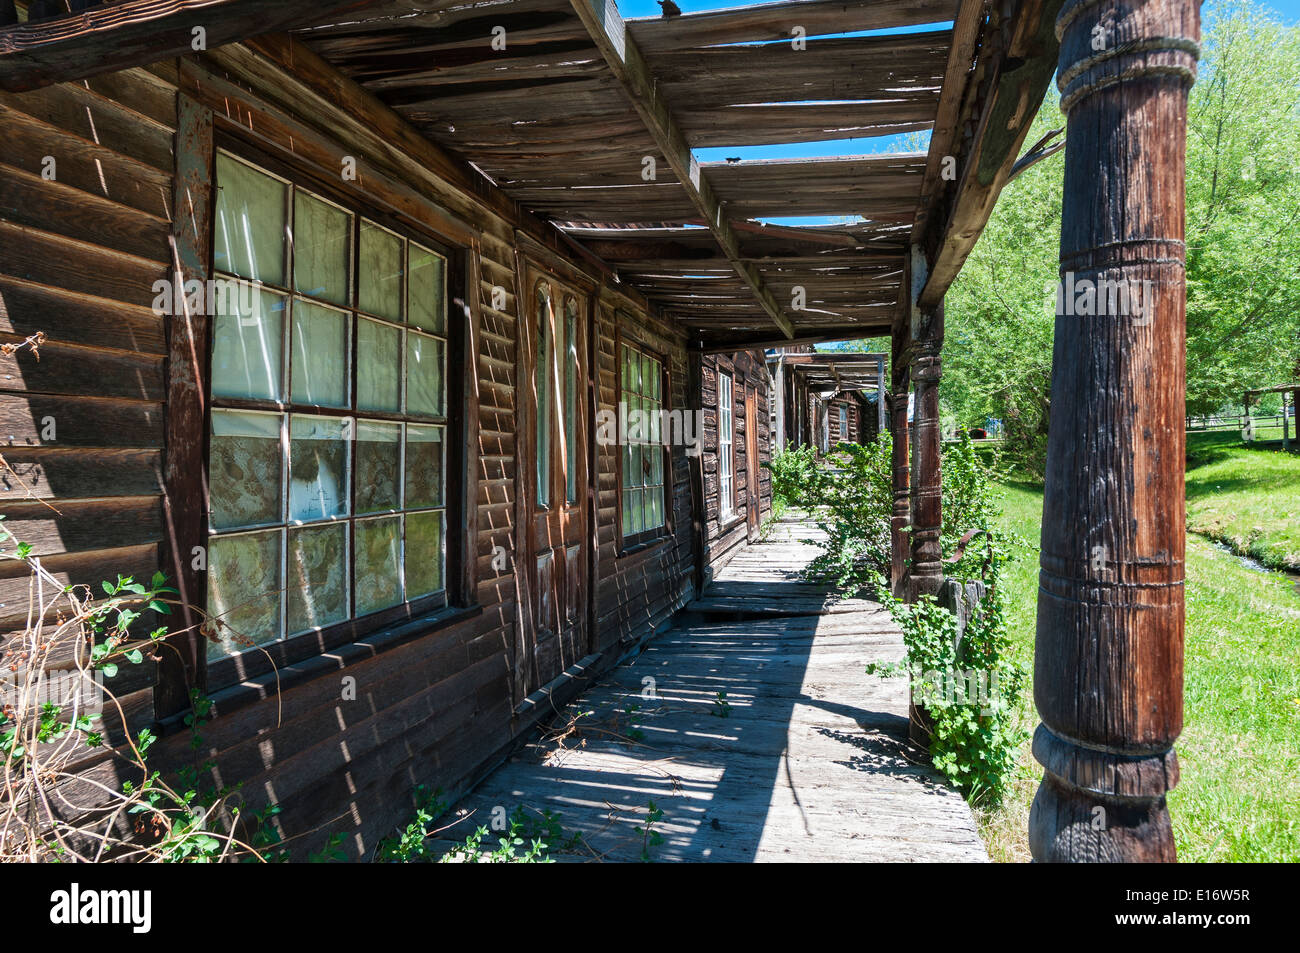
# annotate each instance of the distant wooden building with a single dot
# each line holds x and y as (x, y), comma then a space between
(821, 398)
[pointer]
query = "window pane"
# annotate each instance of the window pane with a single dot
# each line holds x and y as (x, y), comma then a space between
(635, 502)
(426, 305)
(654, 507)
(378, 563)
(423, 553)
(424, 466)
(542, 383)
(627, 513)
(638, 465)
(250, 224)
(244, 469)
(654, 434)
(379, 366)
(629, 464)
(627, 368)
(244, 590)
(571, 400)
(379, 466)
(318, 577)
(380, 272)
(424, 375)
(318, 467)
(320, 355)
(322, 237)
(248, 343)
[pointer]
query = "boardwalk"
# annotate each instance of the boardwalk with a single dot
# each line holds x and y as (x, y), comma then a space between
(753, 728)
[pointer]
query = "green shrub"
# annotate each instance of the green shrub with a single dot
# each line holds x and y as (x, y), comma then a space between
(793, 472)
(853, 497)
(971, 695)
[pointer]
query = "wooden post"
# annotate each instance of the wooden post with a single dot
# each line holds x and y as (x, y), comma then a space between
(1109, 659)
(182, 664)
(1286, 427)
(902, 515)
(927, 446)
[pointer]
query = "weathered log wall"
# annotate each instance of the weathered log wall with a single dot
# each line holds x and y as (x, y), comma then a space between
(79, 256)
(724, 535)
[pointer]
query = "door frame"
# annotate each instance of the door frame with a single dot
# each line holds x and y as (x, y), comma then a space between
(530, 269)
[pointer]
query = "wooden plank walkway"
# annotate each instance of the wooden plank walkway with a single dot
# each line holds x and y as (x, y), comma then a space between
(759, 740)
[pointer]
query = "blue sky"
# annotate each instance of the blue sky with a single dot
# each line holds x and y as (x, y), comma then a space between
(1287, 10)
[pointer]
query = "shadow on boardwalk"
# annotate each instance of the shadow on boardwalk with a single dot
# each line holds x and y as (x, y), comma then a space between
(753, 727)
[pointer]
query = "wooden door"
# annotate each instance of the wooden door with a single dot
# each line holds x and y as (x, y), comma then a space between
(557, 547)
(753, 499)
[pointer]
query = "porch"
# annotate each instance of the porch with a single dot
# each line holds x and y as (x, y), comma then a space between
(752, 726)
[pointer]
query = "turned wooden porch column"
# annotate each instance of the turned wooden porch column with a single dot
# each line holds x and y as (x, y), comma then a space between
(926, 572)
(1108, 669)
(900, 384)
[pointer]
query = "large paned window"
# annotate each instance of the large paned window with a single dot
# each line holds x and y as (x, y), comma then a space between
(327, 456)
(726, 453)
(641, 393)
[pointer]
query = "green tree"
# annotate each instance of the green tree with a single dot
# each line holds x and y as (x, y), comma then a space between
(1243, 247)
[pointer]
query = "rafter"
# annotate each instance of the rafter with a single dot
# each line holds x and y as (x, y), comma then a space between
(609, 32)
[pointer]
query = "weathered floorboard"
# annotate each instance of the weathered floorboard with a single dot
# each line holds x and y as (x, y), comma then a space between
(807, 759)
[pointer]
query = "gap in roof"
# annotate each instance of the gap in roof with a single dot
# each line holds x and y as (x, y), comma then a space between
(824, 149)
(812, 221)
(649, 9)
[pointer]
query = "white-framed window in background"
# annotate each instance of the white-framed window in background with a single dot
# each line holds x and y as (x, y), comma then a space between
(726, 442)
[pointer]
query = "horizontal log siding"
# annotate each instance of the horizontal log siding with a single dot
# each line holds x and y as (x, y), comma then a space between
(725, 539)
(85, 215)
(78, 258)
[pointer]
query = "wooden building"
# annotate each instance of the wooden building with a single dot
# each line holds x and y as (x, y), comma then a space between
(350, 309)
(820, 398)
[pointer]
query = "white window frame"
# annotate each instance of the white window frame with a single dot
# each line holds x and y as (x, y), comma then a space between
(726, 446)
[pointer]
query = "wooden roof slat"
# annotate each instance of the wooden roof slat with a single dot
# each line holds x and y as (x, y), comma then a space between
(749, 125)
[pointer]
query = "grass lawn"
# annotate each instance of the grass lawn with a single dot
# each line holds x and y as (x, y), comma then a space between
(1246, 498)
(1239, 797)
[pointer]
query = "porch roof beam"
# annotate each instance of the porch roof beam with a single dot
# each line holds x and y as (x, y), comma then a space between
(609, 32)
(1023, 67)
